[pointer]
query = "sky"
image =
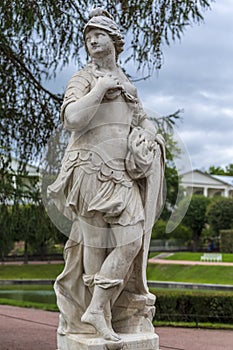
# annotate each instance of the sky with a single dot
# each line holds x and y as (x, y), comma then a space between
(196, 77)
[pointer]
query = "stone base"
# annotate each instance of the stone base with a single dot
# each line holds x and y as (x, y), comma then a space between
(141, 341)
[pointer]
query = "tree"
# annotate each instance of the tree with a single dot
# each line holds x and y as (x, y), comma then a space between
(181, 232)
(32, 225)
(6, 236)
(217, 170)
(39, 36)
(195, 217)
(229, 170)
(219, 214)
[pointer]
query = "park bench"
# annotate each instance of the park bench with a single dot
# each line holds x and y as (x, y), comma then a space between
(211, 257)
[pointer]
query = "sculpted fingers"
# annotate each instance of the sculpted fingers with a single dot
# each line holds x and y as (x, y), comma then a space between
(109, 82)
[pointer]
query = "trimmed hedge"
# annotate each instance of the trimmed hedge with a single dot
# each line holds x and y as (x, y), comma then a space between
(226, 241)
(191, 306)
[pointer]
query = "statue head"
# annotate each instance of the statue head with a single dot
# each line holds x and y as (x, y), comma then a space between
(101, 19)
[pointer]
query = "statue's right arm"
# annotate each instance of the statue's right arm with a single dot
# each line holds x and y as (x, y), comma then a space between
(79, 113)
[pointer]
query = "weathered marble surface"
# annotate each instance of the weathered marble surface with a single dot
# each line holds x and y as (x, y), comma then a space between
(111, 187)
(145, 341)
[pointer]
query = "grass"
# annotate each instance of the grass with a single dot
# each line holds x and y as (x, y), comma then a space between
(190, 273)
(153, 254)
(196, 256)
(156, 272)
(30, 287)
(43, 271)
(30, 304)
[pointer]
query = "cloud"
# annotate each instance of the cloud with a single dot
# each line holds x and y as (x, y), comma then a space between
(197, 76)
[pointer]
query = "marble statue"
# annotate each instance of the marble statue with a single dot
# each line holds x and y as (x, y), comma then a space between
(111, 186)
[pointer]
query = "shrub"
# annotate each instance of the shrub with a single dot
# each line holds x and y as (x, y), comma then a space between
(158, 231)
(191, 306)
(219, 214)
(181, 232)
(226, 241)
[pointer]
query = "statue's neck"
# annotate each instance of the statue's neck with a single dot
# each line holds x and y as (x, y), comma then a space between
(105, 63)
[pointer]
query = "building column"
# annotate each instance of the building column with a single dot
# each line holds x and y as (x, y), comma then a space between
(206, 191)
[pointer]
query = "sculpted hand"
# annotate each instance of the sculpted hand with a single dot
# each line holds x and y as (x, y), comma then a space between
(109, 82)
(143, 143)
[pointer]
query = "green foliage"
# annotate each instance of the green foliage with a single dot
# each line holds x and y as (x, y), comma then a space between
(219, 214)
(181, 232)
(6, 182)
(6, 237)
(192, 306)
(17, 186)
(195, 217)
(226, 241)
(33, 225)
(228, 170)
(216, 170)
(158, 231)
(29, 223)
(172, 183)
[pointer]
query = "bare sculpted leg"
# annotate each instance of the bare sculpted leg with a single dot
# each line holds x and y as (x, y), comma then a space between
(109, 273)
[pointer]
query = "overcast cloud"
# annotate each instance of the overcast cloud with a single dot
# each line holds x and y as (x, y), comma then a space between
(197, 76)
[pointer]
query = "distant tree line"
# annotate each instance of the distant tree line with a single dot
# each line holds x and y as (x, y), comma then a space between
(205, 220)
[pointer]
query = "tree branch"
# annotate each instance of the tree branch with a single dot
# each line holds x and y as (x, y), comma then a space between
(27, 73)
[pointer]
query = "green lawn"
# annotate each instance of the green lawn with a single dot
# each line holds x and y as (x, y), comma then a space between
(191, 273)
(30, 287)
(157, 272)
(30, 271)
(20, 303)
(153, 254)
(196, 256)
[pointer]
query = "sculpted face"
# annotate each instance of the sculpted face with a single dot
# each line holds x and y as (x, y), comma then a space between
(99, 43)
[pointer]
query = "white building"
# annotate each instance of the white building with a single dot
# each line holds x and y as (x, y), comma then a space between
(198, 182)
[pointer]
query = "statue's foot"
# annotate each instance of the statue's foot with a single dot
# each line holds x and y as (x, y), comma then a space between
(97, 319)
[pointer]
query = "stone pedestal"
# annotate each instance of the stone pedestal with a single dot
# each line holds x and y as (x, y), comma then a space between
(142, 341)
